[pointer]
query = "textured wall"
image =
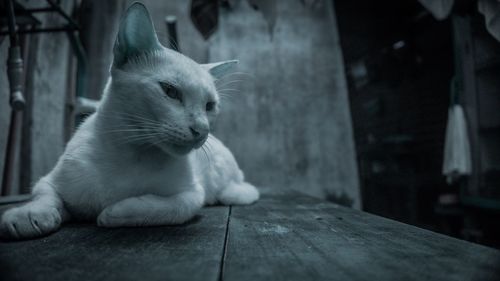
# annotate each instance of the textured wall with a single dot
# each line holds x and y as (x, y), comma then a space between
(49, 85)
(289, 123)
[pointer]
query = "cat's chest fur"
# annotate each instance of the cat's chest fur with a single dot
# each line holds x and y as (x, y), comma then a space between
(114, 173)
(149, 172)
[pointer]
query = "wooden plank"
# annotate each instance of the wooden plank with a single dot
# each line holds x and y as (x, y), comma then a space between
(293, 237)
(84, 252)
(6, 201)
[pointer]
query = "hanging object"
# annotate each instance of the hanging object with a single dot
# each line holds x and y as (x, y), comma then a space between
(173, 41)
(440, 9)
(457, 159)
(491, 11)
(205, 16)
(268, 10)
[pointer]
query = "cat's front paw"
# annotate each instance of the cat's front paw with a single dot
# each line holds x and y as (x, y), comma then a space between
(29, 221)
(241, 193)
(124, 213)
(107, 218)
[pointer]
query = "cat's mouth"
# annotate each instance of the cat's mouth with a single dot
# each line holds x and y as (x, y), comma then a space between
(200, 142)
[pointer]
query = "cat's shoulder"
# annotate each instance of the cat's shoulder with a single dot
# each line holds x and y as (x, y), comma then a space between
(84, 136)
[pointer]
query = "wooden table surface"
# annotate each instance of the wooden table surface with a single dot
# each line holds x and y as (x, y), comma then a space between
(282, 237)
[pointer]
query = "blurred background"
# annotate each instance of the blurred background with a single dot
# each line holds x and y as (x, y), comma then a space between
(391, 107)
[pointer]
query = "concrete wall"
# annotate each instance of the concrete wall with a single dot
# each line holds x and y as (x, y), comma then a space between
(48, 88)
(288, 122)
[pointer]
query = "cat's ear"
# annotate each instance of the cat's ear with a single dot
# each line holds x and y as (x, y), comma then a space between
(136, 34)
(219, 69)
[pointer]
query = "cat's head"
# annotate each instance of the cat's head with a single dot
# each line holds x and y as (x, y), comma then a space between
(164, 98)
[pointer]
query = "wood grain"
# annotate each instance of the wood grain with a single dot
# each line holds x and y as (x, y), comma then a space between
(85, 252)
(283, 236)
(293, 237)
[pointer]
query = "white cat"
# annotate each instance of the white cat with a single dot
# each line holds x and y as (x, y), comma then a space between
(146, 156)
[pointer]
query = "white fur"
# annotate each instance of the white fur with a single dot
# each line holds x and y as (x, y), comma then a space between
(134, 162)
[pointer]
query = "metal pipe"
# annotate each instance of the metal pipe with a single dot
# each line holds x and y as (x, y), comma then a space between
(10, 153)
(62, 13)
(11, 21)
(38, 10)
(171, 22)
(48, 29)
(26, 137)
(14, 62)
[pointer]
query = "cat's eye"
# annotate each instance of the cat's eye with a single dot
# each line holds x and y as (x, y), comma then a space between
(171, 91)
(210, 106)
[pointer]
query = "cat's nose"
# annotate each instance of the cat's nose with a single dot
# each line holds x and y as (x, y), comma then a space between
(194, 132)
(198, 132)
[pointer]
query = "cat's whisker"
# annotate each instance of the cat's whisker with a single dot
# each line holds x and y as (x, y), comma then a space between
(228, 100)
(137, 138)
(126, 114)
(227, 97)
(133, 140)
(158, 141)
(206, 155)
(137, 126)
(140, 127)
(209, 147)
(135, 119)
(237, 73)
(166, 37)
(125, 131)
(226, 91)
(140, 118)
(228, 83)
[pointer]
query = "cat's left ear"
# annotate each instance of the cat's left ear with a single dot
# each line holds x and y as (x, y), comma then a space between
(219, 69)
(136, 35)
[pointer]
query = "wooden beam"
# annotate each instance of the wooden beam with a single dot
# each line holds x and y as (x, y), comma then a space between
(85, 252)
(282, 237)
(293, 237)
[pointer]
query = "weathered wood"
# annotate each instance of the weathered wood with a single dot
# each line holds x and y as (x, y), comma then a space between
(292, 237)
(282, 237)
(7, 201)
(85, 252)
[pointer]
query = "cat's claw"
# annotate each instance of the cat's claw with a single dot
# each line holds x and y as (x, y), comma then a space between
(29, 221)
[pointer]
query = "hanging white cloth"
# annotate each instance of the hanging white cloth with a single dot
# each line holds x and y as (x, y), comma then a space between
(491, 11)
(457, 159)
(440, 9)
